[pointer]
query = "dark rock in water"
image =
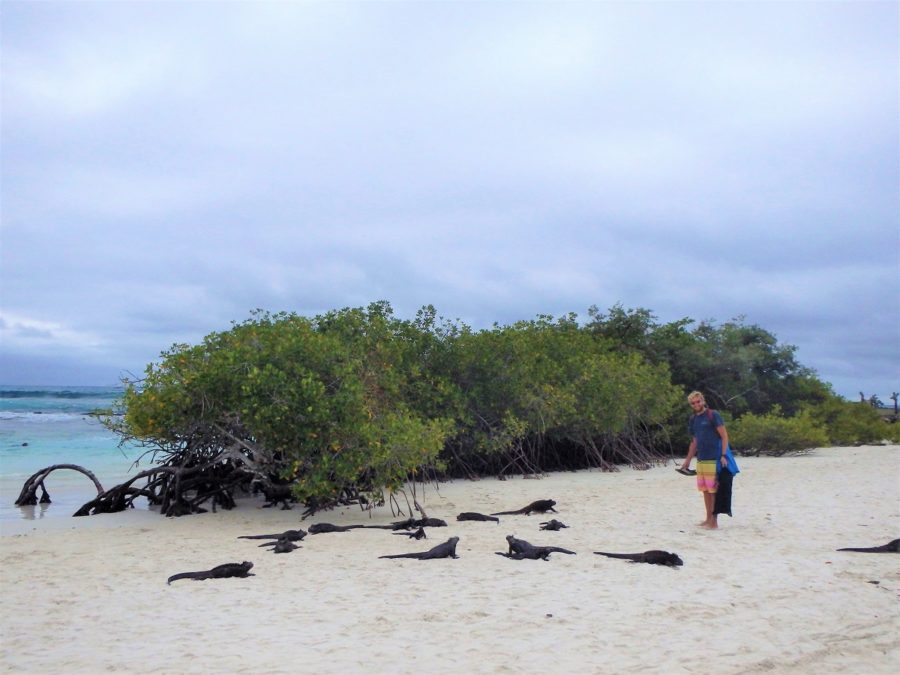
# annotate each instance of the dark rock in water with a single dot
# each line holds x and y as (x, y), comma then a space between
(24, 445)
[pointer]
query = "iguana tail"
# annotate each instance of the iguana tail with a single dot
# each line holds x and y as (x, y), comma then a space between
(622, 556)
(890, 547)
(196, 576)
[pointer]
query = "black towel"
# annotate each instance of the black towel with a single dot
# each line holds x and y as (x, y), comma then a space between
(723, 493)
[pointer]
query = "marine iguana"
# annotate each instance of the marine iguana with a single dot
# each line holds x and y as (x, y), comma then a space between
(412, 523)
(218, 572)
(890, 547)
(651, 557)
(418, 534)
(469, 515)
(322, 528)
(290, 535)
(274, 494)
(519, 549)
(553, 525)
(445, 550)
(540, 506)
(281, 545)
(179, 508)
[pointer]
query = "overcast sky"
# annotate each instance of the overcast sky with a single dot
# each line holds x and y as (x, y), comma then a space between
(169, 166)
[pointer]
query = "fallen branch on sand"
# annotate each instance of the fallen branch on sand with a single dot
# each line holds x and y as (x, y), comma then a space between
(28, 496)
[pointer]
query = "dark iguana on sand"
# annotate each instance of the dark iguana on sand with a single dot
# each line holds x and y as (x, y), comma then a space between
(413, 523)
(445, 550)
(469, 515)
(281, 545)
(890, 547)
(218, 572)
(408, 524)
(553, 525)
(322, 528)
(519, 549)
(418, 534)
(275, 494)
(651, 557)
(290, 535)
(540, 506)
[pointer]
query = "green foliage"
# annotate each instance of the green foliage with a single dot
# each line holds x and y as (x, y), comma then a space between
(358, 401)
(739, 367)
(849, 423)
(316, 402)
(773, 434)
(540, 384)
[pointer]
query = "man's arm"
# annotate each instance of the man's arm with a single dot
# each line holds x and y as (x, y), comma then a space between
(723, 434)
(692, 450)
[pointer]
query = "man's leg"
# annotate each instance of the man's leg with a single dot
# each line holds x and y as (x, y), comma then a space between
(706, 483)
(709, 501)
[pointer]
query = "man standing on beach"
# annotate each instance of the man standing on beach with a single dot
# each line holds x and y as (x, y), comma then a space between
(709, 442)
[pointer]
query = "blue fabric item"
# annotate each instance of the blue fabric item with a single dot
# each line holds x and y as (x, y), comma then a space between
(703, 428)
(732, 464)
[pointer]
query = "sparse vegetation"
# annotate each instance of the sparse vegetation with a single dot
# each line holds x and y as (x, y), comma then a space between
(774, 434)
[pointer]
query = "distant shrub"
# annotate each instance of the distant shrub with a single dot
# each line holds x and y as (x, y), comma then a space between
(849, 423)
(773, 434)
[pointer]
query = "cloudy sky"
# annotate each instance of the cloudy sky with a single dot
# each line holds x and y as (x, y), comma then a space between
(168, 167)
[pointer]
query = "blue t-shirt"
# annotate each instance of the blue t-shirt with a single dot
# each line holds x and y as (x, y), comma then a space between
(702, 428)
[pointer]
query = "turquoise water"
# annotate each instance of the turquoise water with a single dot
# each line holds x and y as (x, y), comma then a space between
(42, 426)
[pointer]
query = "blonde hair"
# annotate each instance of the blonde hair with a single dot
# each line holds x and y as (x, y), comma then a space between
(696, 394)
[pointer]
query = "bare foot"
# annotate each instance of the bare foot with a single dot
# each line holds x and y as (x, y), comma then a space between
(709, 526)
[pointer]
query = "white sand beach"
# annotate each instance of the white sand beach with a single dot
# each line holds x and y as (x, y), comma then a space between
(765, 593)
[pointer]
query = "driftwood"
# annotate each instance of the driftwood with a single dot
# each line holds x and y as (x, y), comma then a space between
(28, 496)
(180, 487)
(178, 491)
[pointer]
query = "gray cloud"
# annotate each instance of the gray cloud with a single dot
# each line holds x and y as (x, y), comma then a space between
(169, 167)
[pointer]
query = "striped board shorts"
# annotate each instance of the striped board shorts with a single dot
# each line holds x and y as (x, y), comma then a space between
(706, 476)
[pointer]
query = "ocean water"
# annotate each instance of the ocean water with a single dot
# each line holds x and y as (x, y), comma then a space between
(42, 426)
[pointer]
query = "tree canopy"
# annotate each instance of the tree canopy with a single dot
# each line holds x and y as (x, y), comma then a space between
(344, 406)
